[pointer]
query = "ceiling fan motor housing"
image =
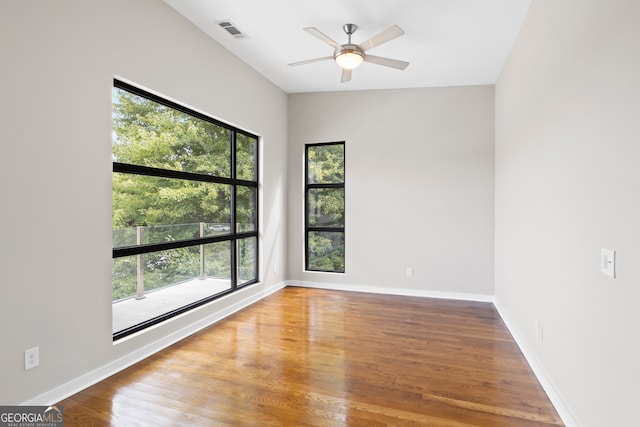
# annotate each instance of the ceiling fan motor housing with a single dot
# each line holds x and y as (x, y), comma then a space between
(348, 48)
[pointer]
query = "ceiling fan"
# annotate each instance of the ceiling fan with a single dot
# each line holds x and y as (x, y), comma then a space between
(348, 56)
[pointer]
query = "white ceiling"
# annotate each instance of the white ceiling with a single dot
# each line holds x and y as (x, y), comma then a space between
(447, 42)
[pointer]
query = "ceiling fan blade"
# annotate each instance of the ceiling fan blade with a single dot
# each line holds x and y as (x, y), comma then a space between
(310, 61)
(346, 75)
(387, 62)
(322, 36)
(389, 34)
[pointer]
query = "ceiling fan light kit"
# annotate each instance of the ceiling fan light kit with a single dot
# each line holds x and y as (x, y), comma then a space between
(349, 56)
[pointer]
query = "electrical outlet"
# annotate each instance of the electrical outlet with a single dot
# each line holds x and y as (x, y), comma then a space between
(31, 358)
(409, 271)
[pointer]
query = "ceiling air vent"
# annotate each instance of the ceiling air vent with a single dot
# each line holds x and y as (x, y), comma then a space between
(230, 28)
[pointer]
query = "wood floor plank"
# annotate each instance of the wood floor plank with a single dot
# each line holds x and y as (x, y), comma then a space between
(311, 357)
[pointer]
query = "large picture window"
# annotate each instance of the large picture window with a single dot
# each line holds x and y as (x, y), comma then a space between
(324, 207)
(184, 209)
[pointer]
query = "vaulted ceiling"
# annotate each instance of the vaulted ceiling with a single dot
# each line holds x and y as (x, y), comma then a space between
(446, 42)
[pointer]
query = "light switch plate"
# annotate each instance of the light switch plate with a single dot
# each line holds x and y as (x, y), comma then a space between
(31, 358)
(608, 262)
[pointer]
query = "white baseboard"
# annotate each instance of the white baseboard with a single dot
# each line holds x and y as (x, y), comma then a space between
(74, 386)
(394, 291)
(80, 383)
(537, 368)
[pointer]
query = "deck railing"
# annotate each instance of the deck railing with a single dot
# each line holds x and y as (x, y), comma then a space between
(150, 234)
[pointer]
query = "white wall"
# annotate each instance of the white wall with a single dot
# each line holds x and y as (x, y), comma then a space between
(567, 185)
(419, 188)
(57, 62)
(420, 173)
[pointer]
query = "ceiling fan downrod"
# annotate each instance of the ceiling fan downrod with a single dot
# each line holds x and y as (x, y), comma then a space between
(349, 29)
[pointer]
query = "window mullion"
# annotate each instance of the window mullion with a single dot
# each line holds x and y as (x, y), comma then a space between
(161, 196)
(324, 241)
(234, 229)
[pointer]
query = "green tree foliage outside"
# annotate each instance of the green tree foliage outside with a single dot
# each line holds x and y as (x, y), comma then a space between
(326, 251)
(150, 134)
(325, 165)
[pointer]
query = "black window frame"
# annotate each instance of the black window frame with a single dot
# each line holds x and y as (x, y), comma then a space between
(233, 236)
(310, 186)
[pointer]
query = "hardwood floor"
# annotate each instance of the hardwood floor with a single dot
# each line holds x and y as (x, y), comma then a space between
(309, 357)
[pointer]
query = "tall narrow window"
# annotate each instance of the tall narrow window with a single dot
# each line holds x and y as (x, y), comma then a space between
(324, 207)
(184, 209)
